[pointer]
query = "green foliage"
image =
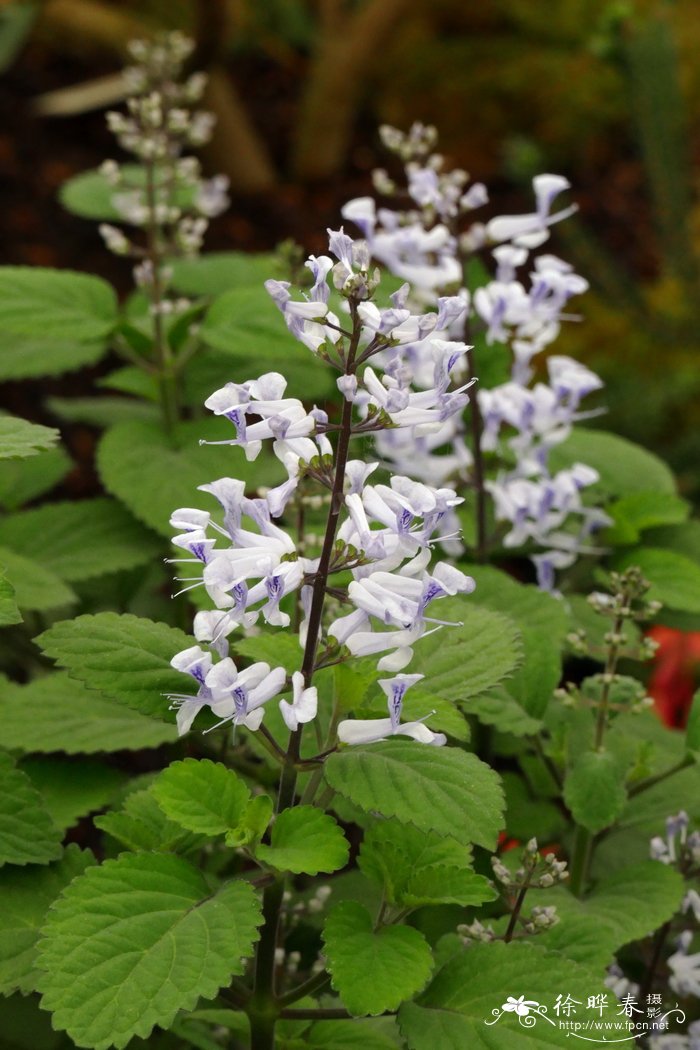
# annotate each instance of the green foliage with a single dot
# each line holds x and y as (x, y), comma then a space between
(593, 929)
(71, 789)
(373, 969)
(90, 195)
(37, 588)
(623, 466)
(125, 657)
(153, 475)
(9, 613)
(463, 995)
(445, 790)
(594, 790)
(159, 938)
(54, 305)
(675, 578)
(417, 867)
(27, 832)
(466, 660)
(219, 272)
(88, 539)
(74, 719)
(29, 356)
(305, 840)
(637, 511)
(27, 894)
(692, 732)
(141, 824)
(19, 439)
(24, 480)
(202, 796)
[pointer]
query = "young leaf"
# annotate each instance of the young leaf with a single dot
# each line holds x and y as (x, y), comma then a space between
(71, 790)
(458, 1008)
(27, 894)
(417, 867)
(594, 790)
(19, 438)
(467, 660)
(142, 825)
(27, 833)
(305, 840)
(88, 538)
(445, 790)
(150, 927)
(202, 796)
(37, 588)
(125, 657)
(373, 971)
(153, 474)
(74, 719)
(675, 578)
(69, 305)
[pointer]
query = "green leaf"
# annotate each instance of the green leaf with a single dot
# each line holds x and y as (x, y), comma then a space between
(461, 662)
(417, 867)
(29, 356)
(642, 510)
(592, 930)
(74, 719)
(692, 730)
(623, 466)
(37, 588)
(594, 790)
(246, 324)
(9, 613)
(675, 578)
(19, 438)
(27, 894)
(71, 790)
(202, 796)
(24, 480)
(445, 790)
(543, 622)
(27, 833)
(500, 710)
(102, 412)
(253, 824)
(305, 840)
(373, 971)
(153, 477)
(71, 306)
(142, 825)
(683, 539)
(357, 1034)
(90, 195)
(150, 927)
(459, 1007)
(125, 657)
(87, 539)
(217, 272)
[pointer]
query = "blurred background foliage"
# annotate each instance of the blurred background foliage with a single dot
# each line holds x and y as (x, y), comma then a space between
(606, 93)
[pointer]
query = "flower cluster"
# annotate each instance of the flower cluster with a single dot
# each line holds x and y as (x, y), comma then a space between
(521, 422)
(166, 195)
(378, 537)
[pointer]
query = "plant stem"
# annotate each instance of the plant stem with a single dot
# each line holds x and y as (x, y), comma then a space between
(580, 860)
(608, 675)
(314, 984)
(657, 947)
(651, 782)
(156, 291)
(518, 906)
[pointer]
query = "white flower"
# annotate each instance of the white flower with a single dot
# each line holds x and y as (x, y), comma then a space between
(369, 731)
(238, 696)
(685, 969)
(304, 704)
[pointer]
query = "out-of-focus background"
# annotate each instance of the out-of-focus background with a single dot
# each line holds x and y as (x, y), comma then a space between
(603, 91)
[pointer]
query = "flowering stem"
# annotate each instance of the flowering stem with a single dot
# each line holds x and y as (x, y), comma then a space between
(580, 859)
(475, 423)
(263, 1008)
(518, 906)
(163, 353)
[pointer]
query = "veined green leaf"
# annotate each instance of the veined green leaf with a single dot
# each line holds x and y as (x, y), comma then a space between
(69, 305)
(19, 438)
(202, 796)
(27, 833)
(132, 942)
(305, 840)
